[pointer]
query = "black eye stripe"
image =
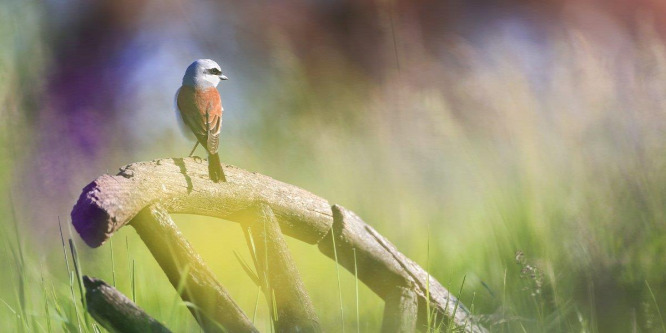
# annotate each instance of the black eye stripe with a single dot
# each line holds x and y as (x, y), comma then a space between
(213, 71)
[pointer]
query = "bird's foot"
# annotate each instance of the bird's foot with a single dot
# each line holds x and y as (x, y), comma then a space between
(197, 159)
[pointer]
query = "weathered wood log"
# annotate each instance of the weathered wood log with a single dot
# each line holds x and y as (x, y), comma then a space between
(214, 308)
(275, 265)
(115, 312)
(182, 186)
(376, 265)
(400, 311)
(383, 268)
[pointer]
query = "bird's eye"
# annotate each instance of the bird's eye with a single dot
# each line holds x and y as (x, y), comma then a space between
(214, 71)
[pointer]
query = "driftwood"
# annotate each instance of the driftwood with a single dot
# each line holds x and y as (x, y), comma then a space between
(115, 312)
(215, 308)
(383, 268)
(278, 274)
(400, 311)
(182, 186)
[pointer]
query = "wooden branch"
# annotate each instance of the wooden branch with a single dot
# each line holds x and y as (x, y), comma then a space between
(400, 311)
(274, 263)
(381, 271)
(182, 186)
(383, 268)
(115, 312)
(214, 307)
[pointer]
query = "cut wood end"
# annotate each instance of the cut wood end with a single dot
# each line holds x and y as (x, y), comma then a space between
(91, 221)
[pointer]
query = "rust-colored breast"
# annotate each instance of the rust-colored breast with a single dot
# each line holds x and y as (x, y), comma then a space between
(197, 100)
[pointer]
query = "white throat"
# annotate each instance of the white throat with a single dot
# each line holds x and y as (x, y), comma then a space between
(198, 74)
(201, 81)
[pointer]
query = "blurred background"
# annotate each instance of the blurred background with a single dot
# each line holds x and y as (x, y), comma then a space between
(518, 145)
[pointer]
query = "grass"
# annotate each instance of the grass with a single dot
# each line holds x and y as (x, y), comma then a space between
(656, 305)
(565, 163)
(337, 273)
(113, 263)
(358, 316)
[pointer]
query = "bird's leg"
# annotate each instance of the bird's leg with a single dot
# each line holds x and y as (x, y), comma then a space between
(196, 158)
(193, 149)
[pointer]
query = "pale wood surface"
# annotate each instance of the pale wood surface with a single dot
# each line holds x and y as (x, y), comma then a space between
(182, 186)
(115, 312)
(277, 270)
(184, 267)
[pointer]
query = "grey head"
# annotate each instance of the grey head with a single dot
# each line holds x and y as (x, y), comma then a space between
(203, 73)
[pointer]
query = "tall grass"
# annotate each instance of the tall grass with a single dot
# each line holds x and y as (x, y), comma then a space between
(337, 273)
(561, 158)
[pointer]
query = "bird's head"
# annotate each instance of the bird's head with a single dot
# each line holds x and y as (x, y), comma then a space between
(203, 73)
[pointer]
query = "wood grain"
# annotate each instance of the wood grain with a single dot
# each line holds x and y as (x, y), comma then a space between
(215, 309)
(115, 312)
(281, 280)
(383, 269)
(400, 311)
(182, 186)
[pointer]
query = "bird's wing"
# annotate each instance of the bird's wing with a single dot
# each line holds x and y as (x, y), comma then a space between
(179, 119)
(202, 113)
(214, 125)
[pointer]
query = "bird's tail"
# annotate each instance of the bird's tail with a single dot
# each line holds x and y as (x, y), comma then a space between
(215, 168)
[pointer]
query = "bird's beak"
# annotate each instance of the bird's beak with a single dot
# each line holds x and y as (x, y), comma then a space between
(223, 77)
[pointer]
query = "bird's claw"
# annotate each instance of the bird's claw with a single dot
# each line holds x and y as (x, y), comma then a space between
(197, 159)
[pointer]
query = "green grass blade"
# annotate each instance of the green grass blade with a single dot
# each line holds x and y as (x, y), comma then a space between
(337, 271)
(47, 312)
(654, 300)
(133, 281)
(358, 317)
(455, 308)
(256, 304)
(428, 310)
(71, 279)
(253, 276)
(113, 263)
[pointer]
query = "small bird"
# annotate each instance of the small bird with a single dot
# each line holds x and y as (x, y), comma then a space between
(200, 107)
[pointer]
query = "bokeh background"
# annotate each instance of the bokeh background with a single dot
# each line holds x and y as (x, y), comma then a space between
(518, 145)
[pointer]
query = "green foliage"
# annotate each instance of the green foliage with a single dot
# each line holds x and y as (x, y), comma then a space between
(546, 201)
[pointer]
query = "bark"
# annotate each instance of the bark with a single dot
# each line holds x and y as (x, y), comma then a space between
(276, 268)
(400, 311)
(182, 186)
(115, 312)
(214, 308)
(383, 268)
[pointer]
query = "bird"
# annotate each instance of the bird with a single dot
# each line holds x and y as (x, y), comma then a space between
(200, 108)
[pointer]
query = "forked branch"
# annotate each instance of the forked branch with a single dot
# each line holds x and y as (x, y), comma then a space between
(182, 186)
(214, 308)
(277, 273)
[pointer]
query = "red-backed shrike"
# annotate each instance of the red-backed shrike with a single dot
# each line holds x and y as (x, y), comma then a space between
(200, 107)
